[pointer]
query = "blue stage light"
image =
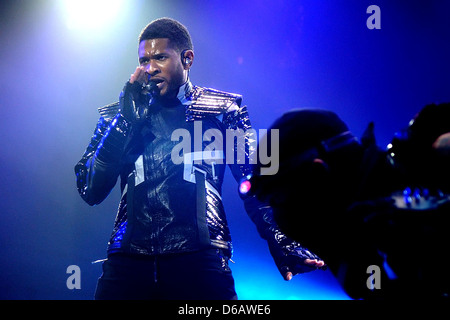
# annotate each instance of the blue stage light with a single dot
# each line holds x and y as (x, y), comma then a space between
(91, 14)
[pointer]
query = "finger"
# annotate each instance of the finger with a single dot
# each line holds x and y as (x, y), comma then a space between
(138, 75)
(320, 264)
(133, 76)
(142, 77)
(311, 262)
(288, 276)
(314, 263)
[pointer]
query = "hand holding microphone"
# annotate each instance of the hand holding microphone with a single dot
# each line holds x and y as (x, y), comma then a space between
(136, 96)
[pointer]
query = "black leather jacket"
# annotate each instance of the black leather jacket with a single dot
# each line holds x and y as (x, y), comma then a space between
(172, 207)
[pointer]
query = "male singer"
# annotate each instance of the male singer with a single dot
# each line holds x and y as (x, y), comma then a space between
(171, 238)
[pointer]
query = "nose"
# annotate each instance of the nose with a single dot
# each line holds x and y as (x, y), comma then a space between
(152, 68)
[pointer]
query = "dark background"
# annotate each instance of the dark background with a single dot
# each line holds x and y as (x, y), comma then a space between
(61, 60)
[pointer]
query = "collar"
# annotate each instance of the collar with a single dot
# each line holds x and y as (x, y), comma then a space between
(185, 93)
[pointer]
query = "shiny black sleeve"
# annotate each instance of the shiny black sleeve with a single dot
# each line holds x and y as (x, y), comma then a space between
(100, 165)
(287, 253)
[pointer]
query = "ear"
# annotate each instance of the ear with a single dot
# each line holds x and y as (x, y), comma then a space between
(187, 59)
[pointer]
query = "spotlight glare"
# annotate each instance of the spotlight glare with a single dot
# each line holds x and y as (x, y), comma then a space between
(245, 187)
(91, 14)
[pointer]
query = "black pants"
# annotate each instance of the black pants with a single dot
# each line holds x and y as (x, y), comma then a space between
(202, 275)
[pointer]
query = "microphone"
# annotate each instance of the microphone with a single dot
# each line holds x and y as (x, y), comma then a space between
(151, 91)
(150, 87)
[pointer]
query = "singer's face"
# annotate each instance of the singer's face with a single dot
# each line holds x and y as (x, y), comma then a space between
(163, 65)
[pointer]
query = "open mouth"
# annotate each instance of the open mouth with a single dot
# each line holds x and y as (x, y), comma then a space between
(158, 82)
(153, 85)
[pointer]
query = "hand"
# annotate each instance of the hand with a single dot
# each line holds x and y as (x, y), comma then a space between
(298, 260)
(315, 263)
(133, 99)
(139, 76)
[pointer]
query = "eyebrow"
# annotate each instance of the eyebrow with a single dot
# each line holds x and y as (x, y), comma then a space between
(154, 56)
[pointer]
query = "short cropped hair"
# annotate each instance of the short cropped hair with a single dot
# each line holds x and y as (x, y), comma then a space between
(179, 36)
